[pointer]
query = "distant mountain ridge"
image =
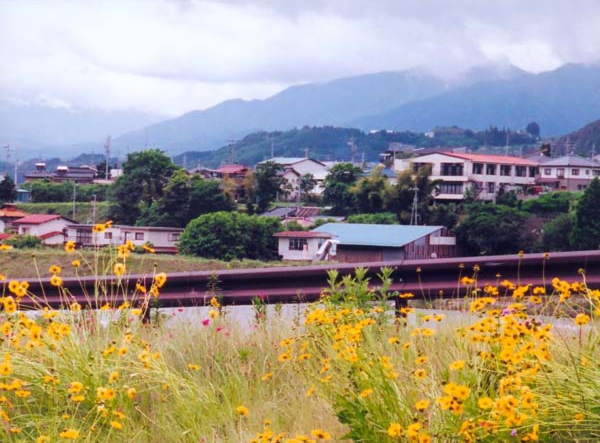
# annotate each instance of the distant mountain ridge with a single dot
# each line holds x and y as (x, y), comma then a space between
(560, 101)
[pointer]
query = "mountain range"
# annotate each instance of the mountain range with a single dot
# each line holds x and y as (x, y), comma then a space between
(560, 101)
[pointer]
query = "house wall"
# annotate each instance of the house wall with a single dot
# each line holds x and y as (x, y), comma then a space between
(357, 254)
(43, 228)
(309, 253)
(454, 183)
(569, 178)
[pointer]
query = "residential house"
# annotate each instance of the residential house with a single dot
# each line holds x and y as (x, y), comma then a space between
(303, 245)
(77, 174)
(371, 242)
(569, 173)
(50, 228)
(303, 215)
(8, 214)
(162, 239)
(296, 167)
(482, 175)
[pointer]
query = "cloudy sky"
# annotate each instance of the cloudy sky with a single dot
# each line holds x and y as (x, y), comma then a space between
(173, 56)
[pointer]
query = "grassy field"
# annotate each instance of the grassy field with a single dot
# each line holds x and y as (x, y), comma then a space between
(346, 370)
(32, 263)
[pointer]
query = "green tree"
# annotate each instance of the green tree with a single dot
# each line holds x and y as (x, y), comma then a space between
(381, 218)
(490, 229)
(268, 183)
(8, 191)
(534, 129)
(306, 183)
(556, 233)
(586, 229)
(145, 175)
(370, 192)
(185, 198)
(558, 202)
(338, 188)
(400, 197)
(231, 235)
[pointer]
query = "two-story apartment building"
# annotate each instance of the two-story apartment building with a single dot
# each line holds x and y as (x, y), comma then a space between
(296, 167)
(483, 175)
(569, 173)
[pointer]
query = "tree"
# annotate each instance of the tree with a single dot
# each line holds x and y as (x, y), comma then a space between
(490, 229)
(534, 129)
(370, 192)
(382, 218)
(185, 198)
(338, 184)
(145, 175)
(306, 183)
(269, 182)
(586, 229)
(8, 191)
(231, 235)
(556, 233)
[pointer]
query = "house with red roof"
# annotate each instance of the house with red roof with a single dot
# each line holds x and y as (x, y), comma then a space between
(8, 214)
(481, 175)
(50, 228)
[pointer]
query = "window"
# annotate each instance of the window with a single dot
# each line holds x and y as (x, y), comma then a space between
(298, 244)
(581, 187)
(108, 235)
(575, 171)
(533, 171)
(595, 173)
(139, 235)
(490, 169)
(560, 172)
(477, 168)
(452, 169)
(174, 236)
(451, 188)
(587, 172)
(505, 169)
(491, 187)
(547, 171)
(520, 171)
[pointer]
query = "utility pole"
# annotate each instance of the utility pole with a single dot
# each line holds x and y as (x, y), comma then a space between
(8, 151)
(107, 156)
(74, 197)
(352, 145)
(94, 210)
(414, 215)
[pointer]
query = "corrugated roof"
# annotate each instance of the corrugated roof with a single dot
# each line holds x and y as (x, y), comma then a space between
(484, 158)
(36, 219)
(303, 234)
(572, 160)
(359, 234)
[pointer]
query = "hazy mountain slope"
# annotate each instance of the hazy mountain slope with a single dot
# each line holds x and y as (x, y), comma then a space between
(584, 141)
(559, 101)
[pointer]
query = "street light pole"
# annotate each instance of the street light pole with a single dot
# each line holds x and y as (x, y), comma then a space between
(74, 197)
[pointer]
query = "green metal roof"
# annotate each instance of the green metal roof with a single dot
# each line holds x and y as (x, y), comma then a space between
(359, 234)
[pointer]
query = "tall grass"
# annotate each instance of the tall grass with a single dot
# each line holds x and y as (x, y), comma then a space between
(347, 369)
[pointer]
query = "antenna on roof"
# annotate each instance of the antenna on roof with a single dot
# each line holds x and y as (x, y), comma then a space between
(107, 156)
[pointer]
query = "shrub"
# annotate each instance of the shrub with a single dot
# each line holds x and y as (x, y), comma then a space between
(23, 241)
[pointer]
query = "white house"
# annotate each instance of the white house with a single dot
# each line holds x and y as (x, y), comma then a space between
(482, 174)
(570, 173)
(162, 239)
(51, 228)
(302, 245)
(295, 167)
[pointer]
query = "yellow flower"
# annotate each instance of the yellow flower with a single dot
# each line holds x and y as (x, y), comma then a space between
(54, 269)
(413, 430)
(579, 417)
(267, 376)
(310, 391)
(485, 403)
(75, 387)
(69, 434)
(456, 365)
(321, 434)
(213, 313)
(42, 439)
(421, 405)
(582, 319)
(119, 269)
(10, 306)
(55, 280)
(365, 393)
(70, 247)
(242, 410)
(131, 392)
(421, 360)
(113, 377)
(4, 247)
(116, 424)
(193, 367)
(395, 430)
(420, 374)
(75, 307)
(99, 227)
(160, 279)
(76, 263)
(148, 249)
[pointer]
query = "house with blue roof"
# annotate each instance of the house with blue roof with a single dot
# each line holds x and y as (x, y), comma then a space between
(368, 242)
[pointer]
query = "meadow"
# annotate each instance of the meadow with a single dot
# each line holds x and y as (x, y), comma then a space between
(349, 368)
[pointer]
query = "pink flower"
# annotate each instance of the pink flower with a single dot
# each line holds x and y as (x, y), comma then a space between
(206, 322)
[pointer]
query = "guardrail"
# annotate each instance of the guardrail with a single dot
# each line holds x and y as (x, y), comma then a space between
(426, 279)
